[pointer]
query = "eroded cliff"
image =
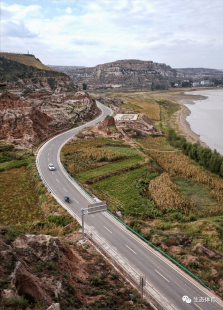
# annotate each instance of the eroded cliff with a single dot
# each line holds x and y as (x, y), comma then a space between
(130, 73)
(35, 104)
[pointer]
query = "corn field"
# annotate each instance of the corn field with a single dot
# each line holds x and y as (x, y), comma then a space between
(166, 195)
(177, 164)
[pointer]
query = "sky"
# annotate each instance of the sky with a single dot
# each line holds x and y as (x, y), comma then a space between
(180, 33)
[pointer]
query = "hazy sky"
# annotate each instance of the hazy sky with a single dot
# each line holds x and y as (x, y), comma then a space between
(180, 33)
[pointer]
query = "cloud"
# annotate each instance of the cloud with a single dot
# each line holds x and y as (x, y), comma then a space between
(85, 42)
(97, 31)
(11, 29)
(68, 10)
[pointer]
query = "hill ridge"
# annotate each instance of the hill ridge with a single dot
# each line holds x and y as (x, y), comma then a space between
(26, 59)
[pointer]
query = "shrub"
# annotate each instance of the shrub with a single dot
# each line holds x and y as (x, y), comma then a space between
(59, 220)
(95, 280)
(17, 301)
(52, 82)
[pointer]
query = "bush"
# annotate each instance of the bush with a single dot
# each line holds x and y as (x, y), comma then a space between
(17, 301)
(59, 220)
(52, 82)
(95, 280)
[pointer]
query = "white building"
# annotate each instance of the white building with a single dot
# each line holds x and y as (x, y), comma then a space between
(205, 83)
(126, 117)
(195, 84)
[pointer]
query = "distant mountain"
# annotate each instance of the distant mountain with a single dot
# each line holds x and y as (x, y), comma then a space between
(199, 73)
(130, 73)
(64, 69)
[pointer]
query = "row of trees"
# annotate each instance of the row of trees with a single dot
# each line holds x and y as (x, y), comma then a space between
(212, 161)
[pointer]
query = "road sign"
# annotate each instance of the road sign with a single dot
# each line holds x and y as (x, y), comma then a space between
(97, 207)
(92, 208)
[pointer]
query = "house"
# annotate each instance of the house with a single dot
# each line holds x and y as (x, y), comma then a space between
(195, 84)
(205, 83)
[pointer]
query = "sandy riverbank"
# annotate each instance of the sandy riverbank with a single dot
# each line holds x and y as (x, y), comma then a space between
(182, 114)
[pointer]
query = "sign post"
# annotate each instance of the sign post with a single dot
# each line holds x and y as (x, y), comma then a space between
(142, 283)
(92, 208)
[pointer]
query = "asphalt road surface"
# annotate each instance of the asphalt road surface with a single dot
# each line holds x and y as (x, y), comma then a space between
(169, 281)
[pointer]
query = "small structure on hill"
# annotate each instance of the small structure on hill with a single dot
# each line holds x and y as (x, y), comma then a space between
(126, 117)
(136, 125)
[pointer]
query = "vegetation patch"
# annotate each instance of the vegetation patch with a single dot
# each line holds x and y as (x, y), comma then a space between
(18, 198)
(126, 151)
(119, 165)
(198, 193)
(121, 195)
(166, 195)
(13, 164)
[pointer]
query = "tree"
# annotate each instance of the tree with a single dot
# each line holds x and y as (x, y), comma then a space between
(84, 86)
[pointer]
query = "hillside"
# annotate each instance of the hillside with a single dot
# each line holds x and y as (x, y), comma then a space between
(129, 73)
(199, 73)
(36, 103)
(26, 59)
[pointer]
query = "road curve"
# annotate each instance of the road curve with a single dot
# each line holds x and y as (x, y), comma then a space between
(165, 277)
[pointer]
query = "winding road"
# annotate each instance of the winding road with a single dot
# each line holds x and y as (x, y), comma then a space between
(171, 283)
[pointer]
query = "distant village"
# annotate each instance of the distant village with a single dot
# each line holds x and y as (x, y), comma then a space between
(189, 83)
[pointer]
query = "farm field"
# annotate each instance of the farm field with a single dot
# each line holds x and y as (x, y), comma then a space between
(171, 200)
(18, 199)
(89, 159)
(159, 106)
(112, 167)
(122, 196)
(24, 201)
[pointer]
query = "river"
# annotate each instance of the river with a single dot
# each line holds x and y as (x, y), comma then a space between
(206, 117)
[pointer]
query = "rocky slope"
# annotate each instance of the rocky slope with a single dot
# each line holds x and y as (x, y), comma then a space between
(43, 272)
(35, 103)
(129, 73)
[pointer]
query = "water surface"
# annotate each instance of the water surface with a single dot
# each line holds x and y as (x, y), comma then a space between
(206, 118)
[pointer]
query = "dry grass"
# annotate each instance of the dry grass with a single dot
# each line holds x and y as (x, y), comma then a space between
(155, 143)
(26, 60)
(148, 107)
(178, 164)
(166, 195)
(18, 198)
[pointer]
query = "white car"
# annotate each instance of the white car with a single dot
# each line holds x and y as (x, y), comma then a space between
(51, 167)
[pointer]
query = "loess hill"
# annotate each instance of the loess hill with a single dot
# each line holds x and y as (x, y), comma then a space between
(37, 103)
(26, 59)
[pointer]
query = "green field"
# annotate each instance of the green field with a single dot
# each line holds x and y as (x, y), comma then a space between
(119, 165)
(121, 194)
(127, 151)
(13, 164)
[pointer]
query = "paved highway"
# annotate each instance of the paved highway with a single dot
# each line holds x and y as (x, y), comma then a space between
(168, 280)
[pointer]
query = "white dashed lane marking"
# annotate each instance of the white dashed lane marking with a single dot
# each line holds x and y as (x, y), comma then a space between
(131, 249)
(162, 275)
(108, 229)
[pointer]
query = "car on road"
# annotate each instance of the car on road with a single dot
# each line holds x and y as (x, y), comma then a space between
(51, 167)
(66, 198)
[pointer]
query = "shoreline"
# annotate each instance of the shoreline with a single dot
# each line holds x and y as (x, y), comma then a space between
(182, 114)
